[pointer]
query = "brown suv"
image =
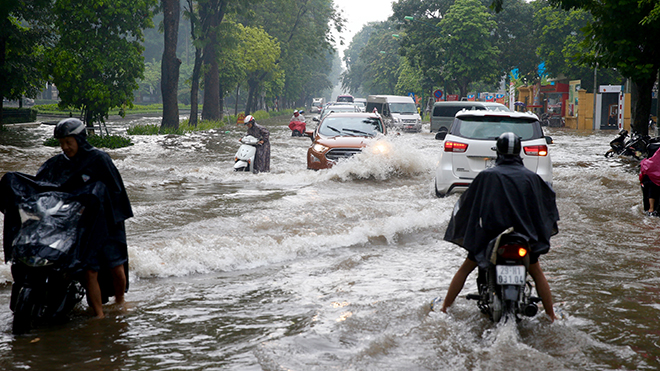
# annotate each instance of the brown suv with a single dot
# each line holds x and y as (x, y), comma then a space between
(341, 135)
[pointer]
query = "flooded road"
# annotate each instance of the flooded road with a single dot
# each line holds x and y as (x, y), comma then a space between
(334, 270)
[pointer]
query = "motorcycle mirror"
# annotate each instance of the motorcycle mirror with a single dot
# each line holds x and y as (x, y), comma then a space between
(549, 140)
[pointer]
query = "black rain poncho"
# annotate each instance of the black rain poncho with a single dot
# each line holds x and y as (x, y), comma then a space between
(90, 177)
(507, 195)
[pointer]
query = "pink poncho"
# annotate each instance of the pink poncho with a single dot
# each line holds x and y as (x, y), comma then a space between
(651, 168)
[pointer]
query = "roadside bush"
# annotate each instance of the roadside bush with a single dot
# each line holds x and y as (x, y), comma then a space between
(108, 141)
(11, 115)
(184, 127)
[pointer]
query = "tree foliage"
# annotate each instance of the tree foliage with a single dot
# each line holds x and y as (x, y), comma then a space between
(25, 32)
(303, 30)
(260, 53)
(620, 36)
(560, 41)
(98, 58)
(469, 53)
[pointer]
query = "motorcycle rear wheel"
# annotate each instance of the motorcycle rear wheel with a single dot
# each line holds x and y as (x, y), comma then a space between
(23, 312)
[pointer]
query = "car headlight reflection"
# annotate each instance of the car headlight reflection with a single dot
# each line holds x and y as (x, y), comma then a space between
(319, 148)
(380, 148)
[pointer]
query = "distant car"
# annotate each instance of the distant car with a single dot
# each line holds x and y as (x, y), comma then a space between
(329, 108)
(362, 102)
(317, 105)
(341, 135)
(345, 98)
(469, 147)
(443, 112)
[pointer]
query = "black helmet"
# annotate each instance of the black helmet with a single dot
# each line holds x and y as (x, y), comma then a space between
(508, 144)
(69, 127)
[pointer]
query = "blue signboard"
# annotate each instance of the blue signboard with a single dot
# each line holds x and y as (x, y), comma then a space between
(437, 94)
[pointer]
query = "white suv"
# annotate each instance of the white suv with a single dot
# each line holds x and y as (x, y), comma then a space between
(469, 147)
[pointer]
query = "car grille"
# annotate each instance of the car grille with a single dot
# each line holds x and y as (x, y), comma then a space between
(409, 121)
(337, 153)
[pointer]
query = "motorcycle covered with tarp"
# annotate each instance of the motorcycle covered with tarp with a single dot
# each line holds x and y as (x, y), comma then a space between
(47, 236)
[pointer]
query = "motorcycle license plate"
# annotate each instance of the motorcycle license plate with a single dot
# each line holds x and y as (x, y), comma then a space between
(510, 274)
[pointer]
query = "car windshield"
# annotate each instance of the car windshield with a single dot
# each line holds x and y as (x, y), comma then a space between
(498, 108)
(490, 127)
(403, 108)
(351, 126)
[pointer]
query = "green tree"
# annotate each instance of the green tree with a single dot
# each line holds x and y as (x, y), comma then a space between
(372, 60)
(410, 79)
(560, 39)
(621, 36)
(98, 58)
(421, 36)
(302, 28)
(353, 77)
(382, 61)
(469, 54)
(260, 52)
(25, 32)
(515, 39)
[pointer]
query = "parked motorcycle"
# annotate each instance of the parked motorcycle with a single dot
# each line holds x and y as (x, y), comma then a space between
(635, 145)
(504, 291)
(45, 261)
(244, 158)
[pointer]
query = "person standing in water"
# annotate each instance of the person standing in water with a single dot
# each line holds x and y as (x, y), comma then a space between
(80, 164)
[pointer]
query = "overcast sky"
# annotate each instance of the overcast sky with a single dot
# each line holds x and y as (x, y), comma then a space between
(358, 13)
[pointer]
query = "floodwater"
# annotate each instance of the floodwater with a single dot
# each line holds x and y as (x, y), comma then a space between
(335, 269)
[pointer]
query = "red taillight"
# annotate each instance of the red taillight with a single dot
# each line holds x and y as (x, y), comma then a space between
(541, 150)
(455, 147)
(512, 251)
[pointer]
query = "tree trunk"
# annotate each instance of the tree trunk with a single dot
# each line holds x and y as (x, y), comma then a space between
(252, 96)
(169, 86)
(221, 101)
(641, 103)
(236, 103)
(194, 88)
(211, 107)
(197, 68)
(213, 12)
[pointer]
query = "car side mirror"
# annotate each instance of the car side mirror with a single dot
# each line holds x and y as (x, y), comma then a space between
(549, 140)
(315, 119)
(309, 134)
(441, 134)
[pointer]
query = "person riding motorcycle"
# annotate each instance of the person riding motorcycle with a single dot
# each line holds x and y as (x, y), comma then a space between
(262, 157)
(297, 124)
(507, 195)
(88, 173)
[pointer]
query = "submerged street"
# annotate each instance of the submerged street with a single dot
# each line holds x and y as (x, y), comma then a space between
(335, 269)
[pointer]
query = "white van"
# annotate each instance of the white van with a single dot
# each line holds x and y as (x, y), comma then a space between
(398, 112)
(444, 111)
